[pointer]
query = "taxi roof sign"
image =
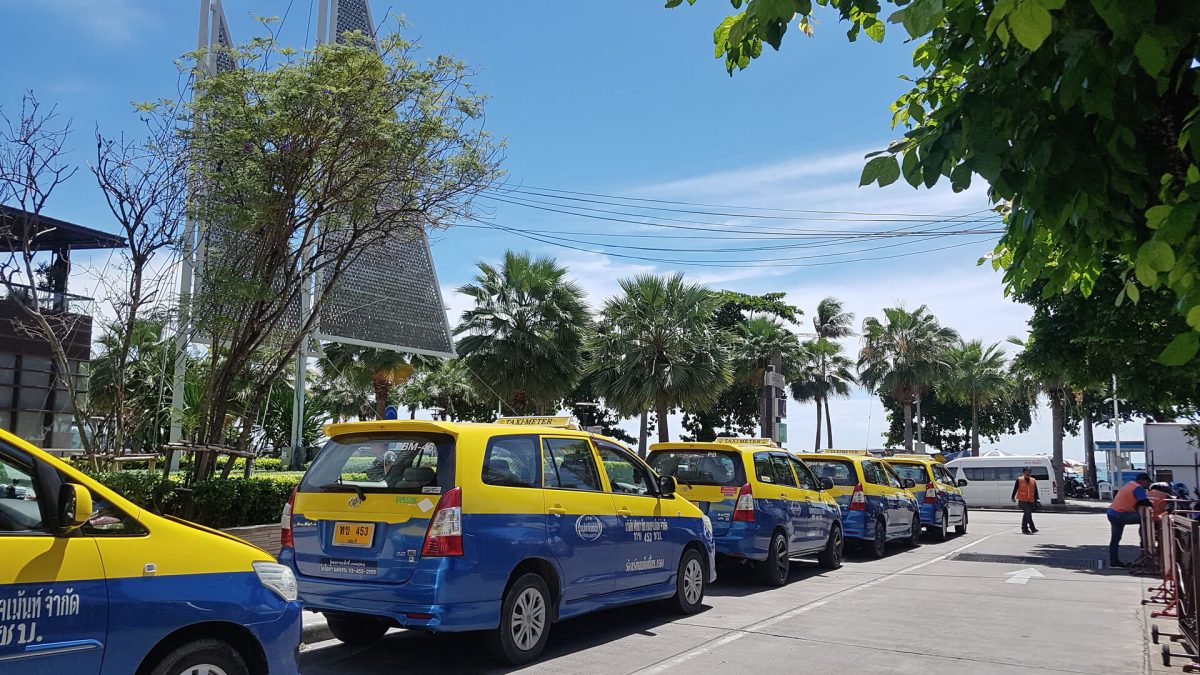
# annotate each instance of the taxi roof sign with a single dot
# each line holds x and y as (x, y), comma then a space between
(745, 441)
(563, 422)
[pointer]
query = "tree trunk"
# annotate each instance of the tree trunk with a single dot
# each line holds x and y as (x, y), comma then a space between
(974, 428)
(520, 401)
(642, 423)
(382, 388)
(1089, 447)
(828, 425)
(1056, 417)
(817, 442)
(908, 424)
(661, 410)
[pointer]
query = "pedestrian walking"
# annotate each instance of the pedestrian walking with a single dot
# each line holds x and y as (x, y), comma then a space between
(1124, 511)
(1026, 496)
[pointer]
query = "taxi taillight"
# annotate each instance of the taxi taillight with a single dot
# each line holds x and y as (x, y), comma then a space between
(858, 500)
(744, 509)
(444, 536)
(285, 523)
(931, 493)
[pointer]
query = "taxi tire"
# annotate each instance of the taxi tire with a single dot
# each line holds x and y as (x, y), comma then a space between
(186, 657)
(775, 569)
(500, 642)
(914, 537)
(877, 547)
(679, 602)
(356, 631)
(831, 557)
(962, 529)
(943, 532)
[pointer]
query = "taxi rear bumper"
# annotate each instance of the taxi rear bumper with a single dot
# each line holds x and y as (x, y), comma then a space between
(331, 596)
(744, 541)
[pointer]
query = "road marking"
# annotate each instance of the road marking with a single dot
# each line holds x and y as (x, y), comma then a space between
(739, 633)
(1023, 576)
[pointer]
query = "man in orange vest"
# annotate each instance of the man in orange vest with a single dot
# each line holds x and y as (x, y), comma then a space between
(1124, 511)
(1025, 494)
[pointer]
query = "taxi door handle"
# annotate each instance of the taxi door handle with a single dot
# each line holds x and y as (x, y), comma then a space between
(624, 512)
(557, 510)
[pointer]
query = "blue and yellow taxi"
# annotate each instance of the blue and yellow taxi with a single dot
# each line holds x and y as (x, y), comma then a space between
(505, 528)
(876, 505)
(91, 583)
(940, 500)
(766, 505)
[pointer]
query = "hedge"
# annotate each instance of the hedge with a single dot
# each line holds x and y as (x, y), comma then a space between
(218, 503)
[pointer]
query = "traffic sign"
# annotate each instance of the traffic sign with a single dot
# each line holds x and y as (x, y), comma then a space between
(774, 379)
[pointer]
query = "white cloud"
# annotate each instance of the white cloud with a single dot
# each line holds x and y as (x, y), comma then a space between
(108, 21)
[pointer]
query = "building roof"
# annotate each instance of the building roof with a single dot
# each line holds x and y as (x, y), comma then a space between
(56, 234)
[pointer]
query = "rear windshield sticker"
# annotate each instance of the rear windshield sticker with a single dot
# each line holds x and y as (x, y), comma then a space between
(431, 490)
(728, 491)
(425, 505)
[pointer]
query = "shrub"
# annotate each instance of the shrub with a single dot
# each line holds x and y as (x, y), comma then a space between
(218, 503)
(619, 472)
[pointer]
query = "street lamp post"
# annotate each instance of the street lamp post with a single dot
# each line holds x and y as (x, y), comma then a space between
(1115, 461)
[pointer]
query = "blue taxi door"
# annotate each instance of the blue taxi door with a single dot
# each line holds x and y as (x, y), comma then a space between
(797, 502)
(581, 519)
(53, 595)
(821, 514)
(650, 549)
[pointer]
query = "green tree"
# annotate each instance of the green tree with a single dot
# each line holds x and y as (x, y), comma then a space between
(826, 372)
(381, 369)
(1014, 91)
(902, 356)
(524, 334)
(946, 422)
(447, 385)
(830, 367)
(129, 387)
(1041, 373)
(977, 376)
(655, 347)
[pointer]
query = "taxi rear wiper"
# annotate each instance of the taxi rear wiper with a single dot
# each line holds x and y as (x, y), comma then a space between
(362, 496)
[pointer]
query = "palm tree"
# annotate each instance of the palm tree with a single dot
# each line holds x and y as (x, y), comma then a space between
(524, 335)
(382, 369)
(655, 346)
(832, 375)
(439, 386)
(830, 322)
(1037, 371)
(759, 341)
(977, 376)
(902, 355)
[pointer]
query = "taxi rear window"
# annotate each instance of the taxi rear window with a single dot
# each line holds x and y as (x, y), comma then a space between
(914, 471)
(841, 472)
(700, 467)
(404, 462)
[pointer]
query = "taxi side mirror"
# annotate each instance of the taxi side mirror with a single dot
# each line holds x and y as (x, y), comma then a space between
(74, 507)
(909, 483)
(962, 482)
(667, 486)
(826, 483)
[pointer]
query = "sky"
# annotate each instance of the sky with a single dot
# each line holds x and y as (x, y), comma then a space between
(616, 98)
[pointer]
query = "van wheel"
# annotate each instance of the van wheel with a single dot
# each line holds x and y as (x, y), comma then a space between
(962, 529)
(356, 630)
(524, 622)
(914, 538)
(202, 657)
(689, 583)
(879, 544)
(831, 557)
(943, 532)
(774, 570)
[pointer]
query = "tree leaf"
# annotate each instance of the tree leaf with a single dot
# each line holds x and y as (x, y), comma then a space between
(1157, 254)
(1155, 215)
(1030, 23)
(1132, 291)
(1181, 349)
(1193, 318)
(960, 178)
(1145, 274)
(890, 171)
(921, 17)
(911, 168)
(1151, 54)
(872, 170)
(673, 3)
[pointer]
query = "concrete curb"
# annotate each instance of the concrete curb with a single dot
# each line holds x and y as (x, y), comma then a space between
(316, 629)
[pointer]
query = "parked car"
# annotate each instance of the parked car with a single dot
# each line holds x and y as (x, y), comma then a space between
(91, 583)
(504, 528)
(766, 506)
(876, 505)
(940, 500)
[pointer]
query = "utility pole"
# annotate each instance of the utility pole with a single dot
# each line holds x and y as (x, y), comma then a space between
(1115, 460)
(770, 419)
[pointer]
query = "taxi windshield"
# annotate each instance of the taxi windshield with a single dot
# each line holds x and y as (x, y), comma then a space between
(384, 462)
(699, 467)
(914, 471)
(841, 472)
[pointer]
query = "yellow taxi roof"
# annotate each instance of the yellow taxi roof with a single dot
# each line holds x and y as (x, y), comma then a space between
(460, 429)
(837, 454)
(723, 444)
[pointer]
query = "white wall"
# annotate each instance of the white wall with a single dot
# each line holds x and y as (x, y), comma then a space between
(1168, 447)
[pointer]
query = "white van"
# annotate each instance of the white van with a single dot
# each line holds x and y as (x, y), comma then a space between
(990, 480)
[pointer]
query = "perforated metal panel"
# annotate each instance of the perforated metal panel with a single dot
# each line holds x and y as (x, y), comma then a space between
(222, 60)
(353, 15)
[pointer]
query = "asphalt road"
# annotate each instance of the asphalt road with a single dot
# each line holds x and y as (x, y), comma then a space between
(946, 607)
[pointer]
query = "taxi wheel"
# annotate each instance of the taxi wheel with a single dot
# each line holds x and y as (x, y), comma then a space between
(879, 544)
(355, 630)
(202, 657)
(962, 529)
(774, 570)
(914, 537)
(524, 622)
(831, 557)
(943, 532)
(689, 583)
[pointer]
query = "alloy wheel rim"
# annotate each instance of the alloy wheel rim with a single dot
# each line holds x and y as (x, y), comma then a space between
(880, 537)
(837, 546)
(203, 669)
(781, 559)
(693, 581)
(528, 619)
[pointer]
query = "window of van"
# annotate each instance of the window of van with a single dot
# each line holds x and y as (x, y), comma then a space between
(404, 462)
(20, 511)
(700, 467)
(839, 471)
(943, 474)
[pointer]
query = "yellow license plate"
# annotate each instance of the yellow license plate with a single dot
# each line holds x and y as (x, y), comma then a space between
(358, 535)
